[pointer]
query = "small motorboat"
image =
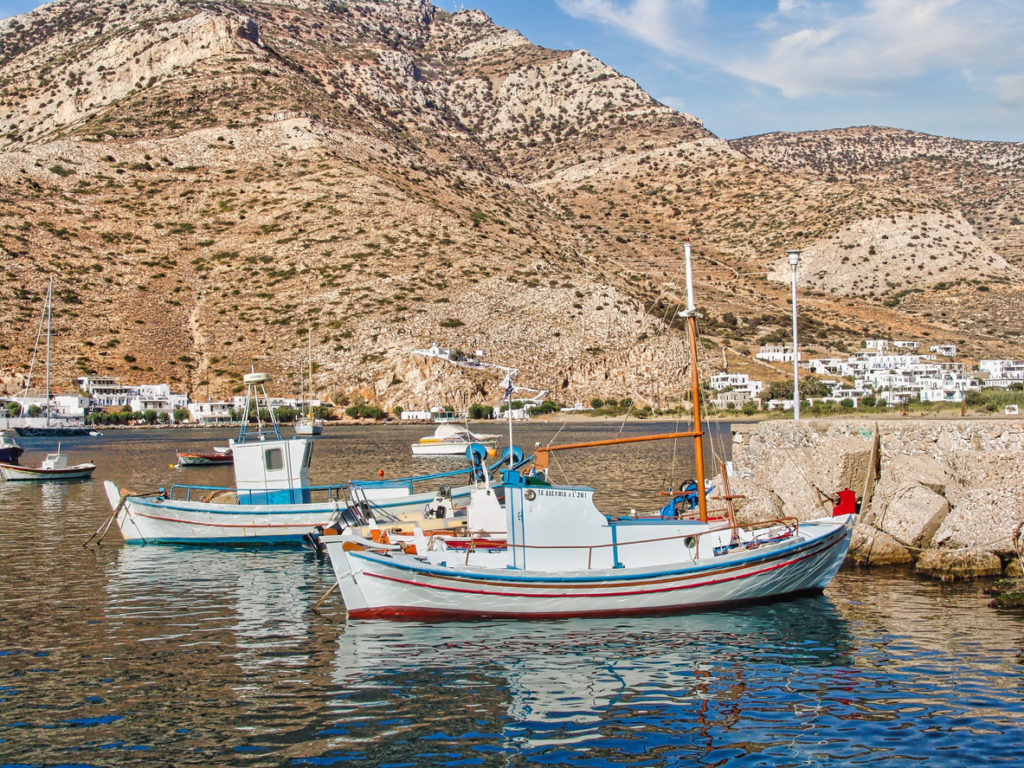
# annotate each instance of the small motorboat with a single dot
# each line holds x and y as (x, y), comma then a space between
(201, 459)
(450, 440)
(54, 467)
(10, 451)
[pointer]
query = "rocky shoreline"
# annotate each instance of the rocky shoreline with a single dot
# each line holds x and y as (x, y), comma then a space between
(944, 497)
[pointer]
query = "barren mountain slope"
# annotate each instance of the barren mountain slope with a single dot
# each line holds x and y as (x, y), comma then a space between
(207, 180)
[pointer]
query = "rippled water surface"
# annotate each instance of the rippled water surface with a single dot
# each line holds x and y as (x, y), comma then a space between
(123, 656)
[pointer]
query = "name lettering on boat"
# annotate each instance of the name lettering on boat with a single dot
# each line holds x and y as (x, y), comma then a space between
(560, 493)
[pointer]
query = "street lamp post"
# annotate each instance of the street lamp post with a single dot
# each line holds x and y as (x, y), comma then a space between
(794, 259)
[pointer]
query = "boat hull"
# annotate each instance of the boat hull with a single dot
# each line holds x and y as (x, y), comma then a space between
(53, 431)
(9, 454)
(204, 459)
(445, 449)
(397, 586)
(155, 519)
(16, 472)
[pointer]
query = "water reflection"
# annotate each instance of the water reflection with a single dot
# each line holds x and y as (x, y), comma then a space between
(195, 656)
(566, 690)
(260, 597)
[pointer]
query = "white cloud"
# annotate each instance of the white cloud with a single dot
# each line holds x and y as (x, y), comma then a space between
(806, 48)
(867, 50)
(655, 22)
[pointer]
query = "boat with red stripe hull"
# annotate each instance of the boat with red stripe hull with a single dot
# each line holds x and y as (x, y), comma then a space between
(565, 558)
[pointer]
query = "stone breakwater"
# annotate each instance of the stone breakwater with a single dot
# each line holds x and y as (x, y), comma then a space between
(946, 497)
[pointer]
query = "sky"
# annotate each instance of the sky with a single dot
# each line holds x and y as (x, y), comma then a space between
(744, 67)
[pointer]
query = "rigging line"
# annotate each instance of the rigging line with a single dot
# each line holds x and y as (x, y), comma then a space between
(35, 350)
(557, 433)
(625, 417)
(716, 438)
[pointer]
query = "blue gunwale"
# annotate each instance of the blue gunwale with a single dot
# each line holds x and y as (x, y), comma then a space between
(615, 575)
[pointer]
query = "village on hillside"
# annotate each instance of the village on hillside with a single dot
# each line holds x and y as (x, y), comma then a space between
(884, 374)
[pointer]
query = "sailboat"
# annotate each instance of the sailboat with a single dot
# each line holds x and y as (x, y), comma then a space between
(564, 558)
(51, 427)
(306, 424)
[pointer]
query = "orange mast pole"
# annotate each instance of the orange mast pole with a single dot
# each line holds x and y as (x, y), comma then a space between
(698, 444)
(541, 458)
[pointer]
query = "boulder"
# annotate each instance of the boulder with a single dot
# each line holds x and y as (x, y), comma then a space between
(988, 518)
(911, 513)
(870, 546)
(950, 565)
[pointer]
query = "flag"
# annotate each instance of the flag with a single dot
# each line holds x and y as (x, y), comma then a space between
(508, 389)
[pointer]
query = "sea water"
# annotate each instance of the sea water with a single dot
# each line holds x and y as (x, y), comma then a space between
(175, 655)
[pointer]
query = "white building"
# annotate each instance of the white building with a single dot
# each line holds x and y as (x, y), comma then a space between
(946, 350)
(776, 353)
(1002, 373)
(212, 412)
(740, 382)
(415, 415)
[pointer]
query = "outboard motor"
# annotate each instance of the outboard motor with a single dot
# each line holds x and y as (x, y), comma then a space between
(441, 506)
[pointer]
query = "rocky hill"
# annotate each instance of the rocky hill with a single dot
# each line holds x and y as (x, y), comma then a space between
(208, 181)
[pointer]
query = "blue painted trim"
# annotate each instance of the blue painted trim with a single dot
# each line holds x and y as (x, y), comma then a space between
(326, 509)
(775, 554)
(250, 541)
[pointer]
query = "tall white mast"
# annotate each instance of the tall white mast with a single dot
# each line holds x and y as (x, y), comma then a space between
(49, 316)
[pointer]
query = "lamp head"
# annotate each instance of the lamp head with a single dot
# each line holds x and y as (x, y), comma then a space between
(794, 257)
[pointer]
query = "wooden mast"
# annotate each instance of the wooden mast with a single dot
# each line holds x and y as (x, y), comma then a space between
(690, 313)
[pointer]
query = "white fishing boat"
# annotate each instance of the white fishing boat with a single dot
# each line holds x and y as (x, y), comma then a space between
(54, 467)
(272, 500)
(565, 558)
(451, 440)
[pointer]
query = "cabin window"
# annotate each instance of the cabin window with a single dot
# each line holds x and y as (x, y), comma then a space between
(273, 459)
(307, 455)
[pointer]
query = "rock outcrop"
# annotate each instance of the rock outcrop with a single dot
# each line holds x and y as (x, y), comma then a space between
(941, 495)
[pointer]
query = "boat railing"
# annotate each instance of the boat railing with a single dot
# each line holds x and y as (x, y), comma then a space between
(210, 493)
(762, 532)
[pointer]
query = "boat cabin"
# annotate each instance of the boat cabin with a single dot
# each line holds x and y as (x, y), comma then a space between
(273, 471)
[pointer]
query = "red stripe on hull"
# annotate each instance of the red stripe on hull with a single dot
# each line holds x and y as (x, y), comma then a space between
(427, 614)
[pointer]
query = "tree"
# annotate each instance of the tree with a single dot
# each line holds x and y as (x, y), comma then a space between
(181, 415)
(13, 410)
(597, 402)
(749, 408)
(479, 411)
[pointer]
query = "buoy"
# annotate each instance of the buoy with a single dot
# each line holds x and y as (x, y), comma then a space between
(380, 473)
(491, 451)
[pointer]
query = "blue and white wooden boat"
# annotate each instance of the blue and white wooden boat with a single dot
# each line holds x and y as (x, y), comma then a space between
(54, 467)
(564, 558)
(272, 500)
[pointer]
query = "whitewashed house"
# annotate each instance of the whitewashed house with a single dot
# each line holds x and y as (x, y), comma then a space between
(776, 353)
